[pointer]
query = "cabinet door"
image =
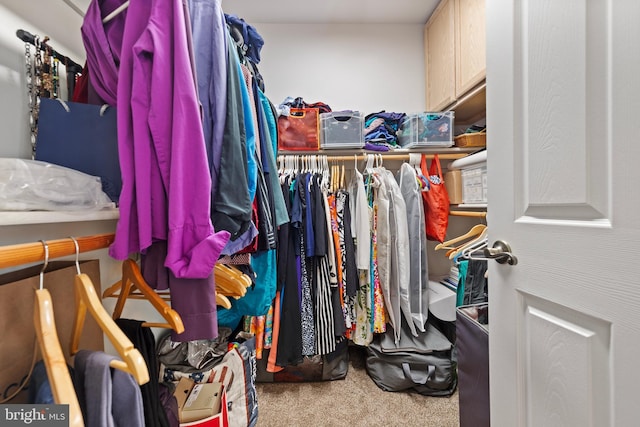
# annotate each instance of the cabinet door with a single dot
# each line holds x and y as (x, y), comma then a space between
(471, 47)
(439, 44)
(562, 110)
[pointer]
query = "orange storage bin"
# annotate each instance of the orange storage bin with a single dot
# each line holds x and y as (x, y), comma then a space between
(299, 131)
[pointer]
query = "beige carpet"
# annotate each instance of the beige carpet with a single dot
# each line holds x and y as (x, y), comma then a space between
(354, 401)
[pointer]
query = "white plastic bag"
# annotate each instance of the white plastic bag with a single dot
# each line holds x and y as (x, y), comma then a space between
(27, 185)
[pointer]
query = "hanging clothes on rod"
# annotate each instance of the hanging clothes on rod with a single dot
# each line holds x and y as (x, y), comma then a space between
(166, 213)
(96, 381)
(130, 370)
(13, 255)
(251, 213)
(468, 272)
(365, 269)
(182, 218)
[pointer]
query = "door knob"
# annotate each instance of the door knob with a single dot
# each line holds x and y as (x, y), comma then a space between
(501, 252)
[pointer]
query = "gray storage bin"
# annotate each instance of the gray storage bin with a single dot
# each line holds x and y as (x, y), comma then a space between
(341, 130)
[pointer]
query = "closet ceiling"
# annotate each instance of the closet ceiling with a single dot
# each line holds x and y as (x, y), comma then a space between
(323, 11)
(45, 14)
(331, 11)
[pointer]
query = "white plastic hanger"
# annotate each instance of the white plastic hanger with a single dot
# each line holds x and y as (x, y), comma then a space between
(414, 160)
(117, 11)
(468, 251)
(471, 243)
(325, 172)
(476, 230)
(369, 166)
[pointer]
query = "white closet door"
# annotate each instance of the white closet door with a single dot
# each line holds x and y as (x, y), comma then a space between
(563, 180)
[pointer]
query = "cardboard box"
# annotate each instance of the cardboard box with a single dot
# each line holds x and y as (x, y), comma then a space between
(474, 184)
(183, 389)
(453, 182)
(219, 420)
(203, 402)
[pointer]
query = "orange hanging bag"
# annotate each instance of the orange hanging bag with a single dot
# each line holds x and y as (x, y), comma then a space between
(435, 200)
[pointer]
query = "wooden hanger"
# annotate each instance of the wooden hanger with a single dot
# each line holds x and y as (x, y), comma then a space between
(87, 299)
(222, 301)
(334, 174)
(475, 231)
(52, 355)
(230, 281)
(132, 280)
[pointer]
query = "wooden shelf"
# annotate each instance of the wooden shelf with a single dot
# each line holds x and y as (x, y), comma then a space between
(443, 152)
(471, 107)
(52, 217)
(470, 206)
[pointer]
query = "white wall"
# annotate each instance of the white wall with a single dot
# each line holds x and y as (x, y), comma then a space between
(362, 67)
(51, 18)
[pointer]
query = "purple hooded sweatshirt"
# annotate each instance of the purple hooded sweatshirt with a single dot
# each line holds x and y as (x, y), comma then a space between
(166, 191)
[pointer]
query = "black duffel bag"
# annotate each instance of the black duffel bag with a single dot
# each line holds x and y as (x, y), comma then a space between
(424, 364)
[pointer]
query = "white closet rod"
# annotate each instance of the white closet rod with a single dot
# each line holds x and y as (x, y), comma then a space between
(474, 214)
